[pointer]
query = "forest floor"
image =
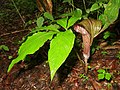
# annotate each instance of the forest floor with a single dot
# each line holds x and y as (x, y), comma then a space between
(35, 75)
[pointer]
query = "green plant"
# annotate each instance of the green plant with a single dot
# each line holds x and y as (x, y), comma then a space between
(108, 34)
(103, 74)
(104, 52)
(94, 48)
(4, 47)
(84, 77)
(10, 57)
(118, 55)
(61, 43)
(60, 35)
(109, 85)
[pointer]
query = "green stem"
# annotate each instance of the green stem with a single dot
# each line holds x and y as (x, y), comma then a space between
(84, 5)
(18, 11)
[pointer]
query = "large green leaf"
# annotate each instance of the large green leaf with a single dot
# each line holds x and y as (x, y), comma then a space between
(31, 45)
(60, 48)
(111, 13)
(108, 76)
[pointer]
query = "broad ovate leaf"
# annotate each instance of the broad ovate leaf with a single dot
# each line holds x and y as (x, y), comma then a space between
(48, 16)
(31, 45)
(111, 12)
(60, 47)
(108, 76)
(94, 7)
(101, 76)
(40, 21)
(101, 71)
(77, 13)
(72, 21)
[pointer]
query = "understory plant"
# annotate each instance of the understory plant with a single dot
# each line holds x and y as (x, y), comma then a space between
(59, 33)
(103, 74)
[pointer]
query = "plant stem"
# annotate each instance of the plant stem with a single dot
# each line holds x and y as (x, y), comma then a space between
(86, 65)
(18, 11)
(84, 5)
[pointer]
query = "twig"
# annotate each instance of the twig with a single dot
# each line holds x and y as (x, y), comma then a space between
(78, 56)
(99, 32)
(84, 4)
(18, 11)
(5, 34)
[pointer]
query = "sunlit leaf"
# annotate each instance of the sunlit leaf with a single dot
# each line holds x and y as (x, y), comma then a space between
(31, 45)
(101, 71)
(60, 47)
(108, 76)
(101, 76)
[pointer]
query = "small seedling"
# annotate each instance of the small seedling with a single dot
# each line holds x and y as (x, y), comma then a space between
(118, 55)
(109, 85)
(106, 35)
(84, 77)
(4, 47)
(104, 52)
(103, 74)
(10, 57)
(94, 49)
(89, 67)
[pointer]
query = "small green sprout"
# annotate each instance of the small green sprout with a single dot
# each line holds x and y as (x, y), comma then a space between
(4, 47)
(10, 57)
(109, 85)
(104, 52)
(106, 35)
(103, 74)
(118, 55)
(84, 77)
(89, 67)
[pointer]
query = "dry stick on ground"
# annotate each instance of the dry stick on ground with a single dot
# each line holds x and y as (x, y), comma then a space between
(18, 31)
(78, 56)
(18, 11)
